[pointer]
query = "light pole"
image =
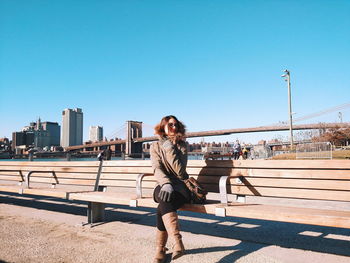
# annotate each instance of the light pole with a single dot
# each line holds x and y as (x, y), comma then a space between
(340, 115)
(286, 77)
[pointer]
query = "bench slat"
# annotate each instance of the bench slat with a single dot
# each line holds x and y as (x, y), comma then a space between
(11, 178)
(124, 183)
(50, 164)
(9, 173)
(147, 170)
(46, 192)
(123, 176)
(26, 169)
(292, 193)
(89, 176)
(273, 164)
(299, 173)
(103, 197)
(311, 216)
(294, 183)
(52, 180)
(10, 188)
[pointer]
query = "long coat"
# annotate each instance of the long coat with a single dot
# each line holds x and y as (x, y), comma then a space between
(169, 163)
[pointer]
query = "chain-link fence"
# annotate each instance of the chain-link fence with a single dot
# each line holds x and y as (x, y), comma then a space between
(260, 152)
(317, 150)
(219, 150)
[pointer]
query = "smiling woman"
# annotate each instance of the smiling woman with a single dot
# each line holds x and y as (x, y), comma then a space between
(169, 161)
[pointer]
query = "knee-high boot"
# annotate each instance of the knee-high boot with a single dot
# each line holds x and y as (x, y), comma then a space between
(171, 223)
(161, 239)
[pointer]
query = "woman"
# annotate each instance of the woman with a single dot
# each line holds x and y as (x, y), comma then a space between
(169, 160)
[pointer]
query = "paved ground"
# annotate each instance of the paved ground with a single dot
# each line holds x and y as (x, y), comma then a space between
(49, 230)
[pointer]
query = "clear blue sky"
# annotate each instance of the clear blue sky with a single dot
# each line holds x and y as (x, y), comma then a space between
(214, 64)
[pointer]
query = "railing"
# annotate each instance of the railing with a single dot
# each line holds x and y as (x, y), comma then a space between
(260, 152)
(317, 150)
(212, 149)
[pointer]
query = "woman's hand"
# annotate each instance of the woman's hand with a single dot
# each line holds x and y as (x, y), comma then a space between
(166, 193)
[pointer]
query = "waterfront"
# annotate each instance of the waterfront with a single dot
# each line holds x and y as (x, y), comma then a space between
(190, 157)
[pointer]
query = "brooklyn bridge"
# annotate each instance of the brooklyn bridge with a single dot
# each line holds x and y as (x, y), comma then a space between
(132, 144)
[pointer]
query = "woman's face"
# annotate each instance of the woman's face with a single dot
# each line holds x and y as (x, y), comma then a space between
(171, 127)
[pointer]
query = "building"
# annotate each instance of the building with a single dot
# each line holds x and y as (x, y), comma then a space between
(72, 127)
(38, 135)
(95, 133)
(5, 148)
(18, 138)
(22, 141)
(45, 134)
(54, 131)
(41, 139)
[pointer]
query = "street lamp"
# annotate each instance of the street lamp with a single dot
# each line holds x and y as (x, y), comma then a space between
(340, 116)
(286, 77)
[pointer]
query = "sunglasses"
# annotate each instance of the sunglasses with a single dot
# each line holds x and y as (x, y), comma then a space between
(172, 125)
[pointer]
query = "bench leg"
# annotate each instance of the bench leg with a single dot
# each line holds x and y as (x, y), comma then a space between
(96, 212)
(240, 198)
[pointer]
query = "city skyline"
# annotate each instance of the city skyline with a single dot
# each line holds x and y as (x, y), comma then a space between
(96, 132)
(213, 65)
(281, 136)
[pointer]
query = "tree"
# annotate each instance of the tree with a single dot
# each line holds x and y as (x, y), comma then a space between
(336, 136)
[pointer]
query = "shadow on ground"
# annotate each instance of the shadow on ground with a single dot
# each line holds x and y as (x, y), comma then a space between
(259, 233)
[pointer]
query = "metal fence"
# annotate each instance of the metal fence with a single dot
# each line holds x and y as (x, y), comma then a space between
(317, 150)
(221, 150)
(260, 152)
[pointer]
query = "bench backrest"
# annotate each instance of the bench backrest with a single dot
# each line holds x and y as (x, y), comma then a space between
(63, 173)
(306, 179)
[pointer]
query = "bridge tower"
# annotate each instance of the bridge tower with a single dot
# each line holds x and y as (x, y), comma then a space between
(133, 131)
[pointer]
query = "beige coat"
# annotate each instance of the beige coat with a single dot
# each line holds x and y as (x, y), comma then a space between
(169, 163)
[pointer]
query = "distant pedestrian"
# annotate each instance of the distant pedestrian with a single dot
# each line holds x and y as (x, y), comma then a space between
(101, 156)
(245, 153)
(236, 150)
(108, 153)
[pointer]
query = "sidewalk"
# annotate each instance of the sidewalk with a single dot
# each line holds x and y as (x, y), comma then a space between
(47, 230)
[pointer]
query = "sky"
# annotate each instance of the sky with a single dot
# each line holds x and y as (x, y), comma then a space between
(213, 64)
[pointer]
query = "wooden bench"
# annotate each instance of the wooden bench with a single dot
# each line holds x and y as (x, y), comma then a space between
(230, 183)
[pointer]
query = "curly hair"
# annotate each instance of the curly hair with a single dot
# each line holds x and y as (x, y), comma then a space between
(181, 128)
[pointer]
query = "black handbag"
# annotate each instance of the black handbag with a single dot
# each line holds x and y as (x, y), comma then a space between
(198, 192)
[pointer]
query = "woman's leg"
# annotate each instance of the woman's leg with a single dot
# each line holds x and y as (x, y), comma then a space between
(167, 219)
(177, 201)
(171, 223)
(161, 234)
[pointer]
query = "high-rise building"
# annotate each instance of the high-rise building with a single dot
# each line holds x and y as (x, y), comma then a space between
(45, 134)
(72, 127)
(96, 133)
(54, 132)
(41, 138)
(38, 135)
(18, 138)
